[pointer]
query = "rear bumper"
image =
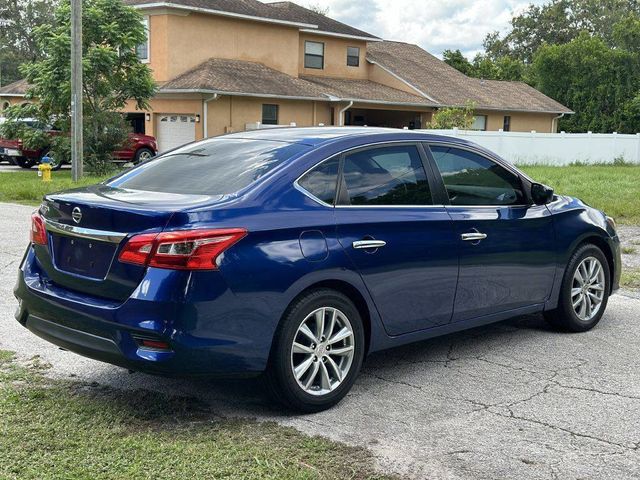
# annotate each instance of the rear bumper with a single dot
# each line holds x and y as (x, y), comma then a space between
(107, 331)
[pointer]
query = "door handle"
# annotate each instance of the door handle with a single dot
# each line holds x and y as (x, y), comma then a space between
(473, 236)
(368, 244)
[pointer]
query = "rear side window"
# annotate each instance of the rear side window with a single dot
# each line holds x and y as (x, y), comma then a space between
(391, 175)
(219, 166)
(471, 179)
(321, 182)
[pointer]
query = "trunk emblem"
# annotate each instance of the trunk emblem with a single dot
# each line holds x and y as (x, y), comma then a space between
(76, 214)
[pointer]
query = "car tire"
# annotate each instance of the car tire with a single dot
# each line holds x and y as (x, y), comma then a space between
(24, 162)
(142, 155)
(582, 303)
(310, 377)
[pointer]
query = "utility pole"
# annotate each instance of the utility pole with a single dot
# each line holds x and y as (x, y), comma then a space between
(76, 89)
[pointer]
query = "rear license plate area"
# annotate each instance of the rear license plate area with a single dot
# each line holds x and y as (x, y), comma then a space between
(79, 256)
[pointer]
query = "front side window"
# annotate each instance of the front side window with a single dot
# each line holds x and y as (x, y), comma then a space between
(471, 179)
(479, 122)
(314, 55)
(219, 166)
(392, 175)
(142, 50)
(269, 114)
(353, 56)
(321, 182)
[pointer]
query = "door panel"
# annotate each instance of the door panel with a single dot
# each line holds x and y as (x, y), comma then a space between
(512, 267)
(412, 279)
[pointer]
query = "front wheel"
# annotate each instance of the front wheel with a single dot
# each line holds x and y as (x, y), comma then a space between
(584, 292)
(143, 155)
(317, 352)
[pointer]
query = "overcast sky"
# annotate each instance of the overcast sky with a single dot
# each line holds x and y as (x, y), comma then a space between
(432, 24)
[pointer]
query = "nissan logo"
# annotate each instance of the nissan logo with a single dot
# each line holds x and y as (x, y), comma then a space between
(76, 214)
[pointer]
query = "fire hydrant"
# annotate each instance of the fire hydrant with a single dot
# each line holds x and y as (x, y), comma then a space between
(44, 169)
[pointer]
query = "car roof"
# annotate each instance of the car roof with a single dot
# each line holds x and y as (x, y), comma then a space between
(316, 136)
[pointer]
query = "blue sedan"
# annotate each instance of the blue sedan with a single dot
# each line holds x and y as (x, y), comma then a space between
(295, 253)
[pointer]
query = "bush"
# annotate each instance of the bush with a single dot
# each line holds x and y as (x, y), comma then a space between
(453, 117)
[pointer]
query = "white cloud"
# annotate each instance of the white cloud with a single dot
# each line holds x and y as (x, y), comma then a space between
(432, 24)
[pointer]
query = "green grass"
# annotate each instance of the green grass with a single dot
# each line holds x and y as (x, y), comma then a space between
(630, 278)
(27, 187)
(629, 250)
(54, 430)
(611, 188)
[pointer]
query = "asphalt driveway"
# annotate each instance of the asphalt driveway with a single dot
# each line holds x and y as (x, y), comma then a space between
(513, 400)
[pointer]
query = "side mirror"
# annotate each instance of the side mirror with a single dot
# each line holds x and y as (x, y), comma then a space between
(541, 194)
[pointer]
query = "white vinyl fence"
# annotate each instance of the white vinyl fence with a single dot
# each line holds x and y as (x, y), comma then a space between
(554, 148)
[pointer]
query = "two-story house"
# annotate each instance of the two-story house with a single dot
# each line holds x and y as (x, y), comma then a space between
(227, 65)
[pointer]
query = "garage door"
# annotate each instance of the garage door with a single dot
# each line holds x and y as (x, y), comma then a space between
(175, 130)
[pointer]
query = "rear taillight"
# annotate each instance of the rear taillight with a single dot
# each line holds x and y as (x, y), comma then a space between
(38, 233)
(180, 250)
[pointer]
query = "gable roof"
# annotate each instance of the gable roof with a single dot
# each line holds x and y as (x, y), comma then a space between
(285, 13)
(444, 84)
(15, 89)
(243, 78)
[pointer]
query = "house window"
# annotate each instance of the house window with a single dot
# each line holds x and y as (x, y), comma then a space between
(506, 124)
(142, 50)
(353, 56)
(269, 114)
(479, 122)
(314, 55)
(5, 105)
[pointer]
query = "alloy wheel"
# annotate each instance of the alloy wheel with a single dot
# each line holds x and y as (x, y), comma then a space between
(322, 351)
(588, 288)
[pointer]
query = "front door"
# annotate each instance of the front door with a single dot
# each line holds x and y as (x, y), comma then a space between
(506, 245)
(401, 243)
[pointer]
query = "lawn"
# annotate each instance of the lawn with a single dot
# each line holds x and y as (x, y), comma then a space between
(612, 188)
(55, 429)
(27, 187)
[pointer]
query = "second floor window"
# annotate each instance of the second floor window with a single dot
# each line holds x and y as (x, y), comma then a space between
(353, 56)
(314, 55)
(142, 50)
(269, 114)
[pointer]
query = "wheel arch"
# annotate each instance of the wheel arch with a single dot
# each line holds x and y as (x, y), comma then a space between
(602, 244)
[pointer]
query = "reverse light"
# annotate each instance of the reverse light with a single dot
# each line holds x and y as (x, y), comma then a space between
(38, 233)
(181, 250)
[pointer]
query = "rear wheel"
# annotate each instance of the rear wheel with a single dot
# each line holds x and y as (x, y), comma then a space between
(25, 162)
(584, 293)
(317, 352)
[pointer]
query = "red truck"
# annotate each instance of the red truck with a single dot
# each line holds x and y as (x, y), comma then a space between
(139, 148)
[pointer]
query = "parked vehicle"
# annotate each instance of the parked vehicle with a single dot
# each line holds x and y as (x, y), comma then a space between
(140, 148)
(297, 252)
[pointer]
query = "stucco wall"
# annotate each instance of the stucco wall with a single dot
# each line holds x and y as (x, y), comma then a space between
(335, 57)
(520, 122)
(180, 42)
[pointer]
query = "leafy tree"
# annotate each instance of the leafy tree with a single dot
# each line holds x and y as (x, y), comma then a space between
(316, 7)
(559, 22)
(598, 82)
(457, 60)
(18, 20)
(453, 117)
(113, 74)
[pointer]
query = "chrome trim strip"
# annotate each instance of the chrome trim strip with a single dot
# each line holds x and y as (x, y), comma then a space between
(86, 233)
(369, 244)
(473, 237)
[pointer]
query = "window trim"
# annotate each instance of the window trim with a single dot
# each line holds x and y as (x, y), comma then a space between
(147, 24)
(526, 182)
(314, 55)
(486, 121)
(357, 65)
(277, 113)
(426, 163)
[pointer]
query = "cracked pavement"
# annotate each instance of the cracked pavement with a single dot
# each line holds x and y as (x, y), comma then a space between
(512, 400)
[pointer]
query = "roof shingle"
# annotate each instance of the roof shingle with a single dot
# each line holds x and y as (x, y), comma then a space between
(18, 87)
(450, 87)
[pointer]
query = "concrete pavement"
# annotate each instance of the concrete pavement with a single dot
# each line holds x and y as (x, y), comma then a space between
(512, 400)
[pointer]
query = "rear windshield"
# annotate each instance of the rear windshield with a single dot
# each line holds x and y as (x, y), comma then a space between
(219, 166)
